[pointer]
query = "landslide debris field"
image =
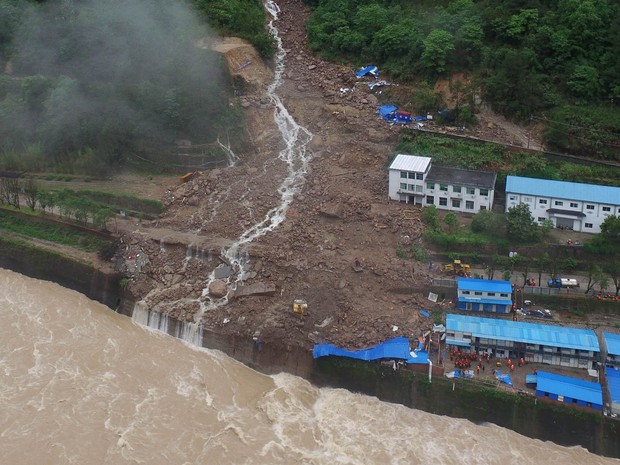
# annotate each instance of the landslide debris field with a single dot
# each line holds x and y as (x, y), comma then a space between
(341, 213)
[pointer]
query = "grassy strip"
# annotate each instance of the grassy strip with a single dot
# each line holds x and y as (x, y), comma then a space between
(51, 232)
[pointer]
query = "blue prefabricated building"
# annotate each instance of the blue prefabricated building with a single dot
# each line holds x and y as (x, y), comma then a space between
(612, 375)
(612, 343)
(538, 343)
(484, 295)
(569, 390)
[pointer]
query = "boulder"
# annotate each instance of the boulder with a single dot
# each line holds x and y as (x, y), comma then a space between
(218, 289)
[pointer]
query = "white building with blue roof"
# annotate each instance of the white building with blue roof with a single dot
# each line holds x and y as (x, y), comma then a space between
(535, 342)
(570, 205)
(612, 345)
(483, 295)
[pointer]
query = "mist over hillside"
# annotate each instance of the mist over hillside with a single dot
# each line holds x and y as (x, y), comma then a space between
(90, 83)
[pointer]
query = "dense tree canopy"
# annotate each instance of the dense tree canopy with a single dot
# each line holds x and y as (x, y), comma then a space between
(531, 55)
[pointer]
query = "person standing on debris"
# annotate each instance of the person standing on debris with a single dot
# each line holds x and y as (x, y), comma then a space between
(430, 266)
(357, 262)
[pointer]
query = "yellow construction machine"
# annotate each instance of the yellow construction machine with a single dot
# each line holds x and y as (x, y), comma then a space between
(457, 268)
(300, 306)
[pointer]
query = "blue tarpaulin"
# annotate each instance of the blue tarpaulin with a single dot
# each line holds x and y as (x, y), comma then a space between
(397, 348)
(503, 378)
(372, 70)
(425, 313)
(386, 110)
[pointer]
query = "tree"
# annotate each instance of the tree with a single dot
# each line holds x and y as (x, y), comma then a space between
(612, 268)
(487, 222)
(521, 224)
(452, 221)
(31, 190)
(610, 230)
(437, 45)
(430, 217)
(9, 191)
(584, 82)
(595, 276)
(542, 264)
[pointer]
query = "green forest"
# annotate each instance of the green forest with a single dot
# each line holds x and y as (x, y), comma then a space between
(89, 87)
(556, 61)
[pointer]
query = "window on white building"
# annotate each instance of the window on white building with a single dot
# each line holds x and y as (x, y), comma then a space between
(466, 292)
(456, 189)
(558, 203)
(527, 199)
(412, 187)
(606, 209)
(411, 175)
(483, 207)
(443, 187)
(541, 219)
(542, 201)
(588, 225)
(589, 207)
(477, 293)
(504, 295)
(443, 201)
(403, 174)
(469, 205)
(485, 192)
(491, 294)
(419, 176)
(471, 190)
(514, 198)
(418, 188)
(430, 185)
(574, 205)
(456, 203)
(403, 186)
(430, 199)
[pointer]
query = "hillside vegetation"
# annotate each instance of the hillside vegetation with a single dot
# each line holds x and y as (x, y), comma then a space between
(554, 61)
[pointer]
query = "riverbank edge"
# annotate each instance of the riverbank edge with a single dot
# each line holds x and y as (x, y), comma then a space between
(465, 399)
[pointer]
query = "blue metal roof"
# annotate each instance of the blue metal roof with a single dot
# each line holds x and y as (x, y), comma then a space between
(612, 341)
(563, 190)
(475, 300)
(613, 383)
(529, 333)
(486, 285)
(396, 348)
(570, 387)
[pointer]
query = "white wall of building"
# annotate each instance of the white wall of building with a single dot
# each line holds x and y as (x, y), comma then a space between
(595, 213)
(412, 187)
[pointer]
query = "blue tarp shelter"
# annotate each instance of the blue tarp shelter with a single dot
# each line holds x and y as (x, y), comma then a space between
(569, 390)
(387, 111)
(393, 349)
(504, 378)
(372, 70)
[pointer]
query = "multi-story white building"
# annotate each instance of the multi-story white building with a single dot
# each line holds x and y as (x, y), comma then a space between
(414, 179)
(571, 205)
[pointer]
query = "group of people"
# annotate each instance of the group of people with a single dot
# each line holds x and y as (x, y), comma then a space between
(465, 360)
